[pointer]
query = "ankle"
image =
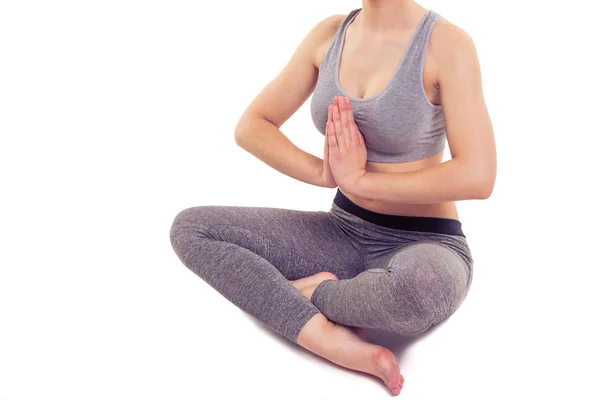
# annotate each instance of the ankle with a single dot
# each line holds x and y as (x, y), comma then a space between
(315, 333)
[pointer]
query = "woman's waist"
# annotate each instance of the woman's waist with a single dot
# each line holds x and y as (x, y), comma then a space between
(381, 232)
(346, 208)
(438, 210)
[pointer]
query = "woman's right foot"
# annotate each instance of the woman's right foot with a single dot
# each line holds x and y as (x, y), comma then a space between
(341, 345)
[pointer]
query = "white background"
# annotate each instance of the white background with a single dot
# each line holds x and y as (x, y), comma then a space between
(116, 115)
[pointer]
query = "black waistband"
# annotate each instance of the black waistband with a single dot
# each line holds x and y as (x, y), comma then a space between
(447, 226)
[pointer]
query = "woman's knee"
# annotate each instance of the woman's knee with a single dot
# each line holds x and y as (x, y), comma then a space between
(189, 223)
(429, 284)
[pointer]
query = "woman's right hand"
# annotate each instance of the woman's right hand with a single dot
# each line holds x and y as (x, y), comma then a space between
(326, 175)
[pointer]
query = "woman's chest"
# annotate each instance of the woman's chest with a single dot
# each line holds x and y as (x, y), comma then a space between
(394, 122)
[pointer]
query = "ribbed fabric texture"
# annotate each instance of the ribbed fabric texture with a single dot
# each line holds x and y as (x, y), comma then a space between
(399, 124)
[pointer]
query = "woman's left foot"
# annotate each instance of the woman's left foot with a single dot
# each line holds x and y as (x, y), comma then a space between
(307, 285)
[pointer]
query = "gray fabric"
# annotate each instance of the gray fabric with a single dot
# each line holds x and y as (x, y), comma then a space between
(393, 280)
(399, 124)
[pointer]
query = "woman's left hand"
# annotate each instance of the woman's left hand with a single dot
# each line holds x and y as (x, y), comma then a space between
(347, 149)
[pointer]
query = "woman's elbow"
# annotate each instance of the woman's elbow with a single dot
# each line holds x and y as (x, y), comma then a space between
(242, 129)
(482, 188)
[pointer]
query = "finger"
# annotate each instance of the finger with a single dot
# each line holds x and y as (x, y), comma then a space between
(336, 102)
(345, 119)
(361, 139)
(352, 128)
(337, 124)
(332, 139)
(328, 128)
(329, 118)
(326, 150)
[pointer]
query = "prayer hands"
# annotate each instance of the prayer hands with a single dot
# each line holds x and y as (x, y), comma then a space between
(347, 149)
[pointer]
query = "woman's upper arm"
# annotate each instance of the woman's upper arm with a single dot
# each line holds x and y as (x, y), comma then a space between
(468, 126)
(284, 95)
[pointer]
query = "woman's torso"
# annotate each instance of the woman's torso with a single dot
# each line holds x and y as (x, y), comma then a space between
(382, 56)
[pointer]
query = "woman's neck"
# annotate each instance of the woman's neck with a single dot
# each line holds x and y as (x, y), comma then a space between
(379, 16)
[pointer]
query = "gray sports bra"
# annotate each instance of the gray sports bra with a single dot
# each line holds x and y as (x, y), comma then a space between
(399, 124)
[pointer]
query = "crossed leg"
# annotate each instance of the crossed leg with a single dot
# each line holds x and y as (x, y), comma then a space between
(250, 254)
(407, 292)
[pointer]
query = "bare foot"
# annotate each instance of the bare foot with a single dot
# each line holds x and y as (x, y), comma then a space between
(386, 363)
(359, 331)
(341, 345)
(307, 285)
(344, 345)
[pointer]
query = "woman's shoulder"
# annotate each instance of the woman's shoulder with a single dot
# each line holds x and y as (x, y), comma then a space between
(328, 26)
(322, 34)
(447, 36)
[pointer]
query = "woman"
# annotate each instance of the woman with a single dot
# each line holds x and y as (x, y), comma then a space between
(390, 82)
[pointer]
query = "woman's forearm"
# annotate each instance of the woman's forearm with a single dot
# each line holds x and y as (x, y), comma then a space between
(267, 143)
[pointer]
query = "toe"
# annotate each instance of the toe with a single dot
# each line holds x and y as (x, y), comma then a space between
(395, 377)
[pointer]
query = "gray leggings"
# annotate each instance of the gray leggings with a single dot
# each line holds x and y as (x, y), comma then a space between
(396, 273)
